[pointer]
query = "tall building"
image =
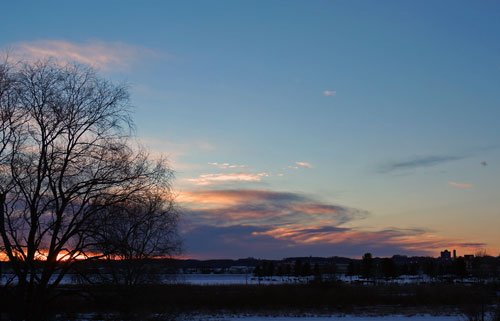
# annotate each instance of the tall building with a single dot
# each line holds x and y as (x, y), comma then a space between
(446, 255)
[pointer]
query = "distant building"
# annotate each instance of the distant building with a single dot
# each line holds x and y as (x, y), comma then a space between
(454, 254)
(445, 255)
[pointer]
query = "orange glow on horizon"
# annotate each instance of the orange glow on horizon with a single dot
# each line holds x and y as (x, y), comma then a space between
(61, 257)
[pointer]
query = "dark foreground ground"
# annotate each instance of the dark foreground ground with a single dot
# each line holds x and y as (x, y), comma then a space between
(314, 298)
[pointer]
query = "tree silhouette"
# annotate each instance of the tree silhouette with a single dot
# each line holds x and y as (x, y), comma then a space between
(65, 155)
(388, 268)
(306, 269)
(459, 267)
(351, 269)
(298, 268)
(367, 266)
(141, 228)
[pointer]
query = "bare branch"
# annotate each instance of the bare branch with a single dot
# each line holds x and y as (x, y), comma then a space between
(72, 186)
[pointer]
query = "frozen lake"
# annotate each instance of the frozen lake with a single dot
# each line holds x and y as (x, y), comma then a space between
(215, 279)
(225, 279)
(218, 279)
(198, 279)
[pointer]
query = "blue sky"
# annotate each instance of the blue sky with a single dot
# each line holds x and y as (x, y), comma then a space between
(303, 127)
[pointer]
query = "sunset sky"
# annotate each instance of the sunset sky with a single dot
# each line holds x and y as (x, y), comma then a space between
(302, 128)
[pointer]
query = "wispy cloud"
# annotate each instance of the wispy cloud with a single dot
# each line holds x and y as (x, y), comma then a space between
(255, 207)
(329, 93)
(460, 185)
(410, 239)
(226, 165)
(236, 241)
(223, 178)
(303, 164)
(298, 165)
(272, 224)
(419, 162)
(99, 54)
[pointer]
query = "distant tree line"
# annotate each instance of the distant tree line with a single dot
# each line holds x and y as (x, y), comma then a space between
(389, 267)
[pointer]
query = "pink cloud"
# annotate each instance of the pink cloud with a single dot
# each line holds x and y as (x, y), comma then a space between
(298, 165)
(226, 165)
(293, 221)
(254, 207)
(99, 54)
(222, 178)
(460, 185)
(303, 164)
(413, 239)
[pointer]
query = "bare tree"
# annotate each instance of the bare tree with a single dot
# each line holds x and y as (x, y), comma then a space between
(65, 155)
(132, 233)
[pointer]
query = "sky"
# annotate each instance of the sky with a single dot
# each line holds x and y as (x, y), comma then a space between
(300, 128)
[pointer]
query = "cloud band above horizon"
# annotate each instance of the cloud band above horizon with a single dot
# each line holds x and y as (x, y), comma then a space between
(270, 224)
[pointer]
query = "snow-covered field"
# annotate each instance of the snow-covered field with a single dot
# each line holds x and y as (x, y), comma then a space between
(346, 317)
(341, 317)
